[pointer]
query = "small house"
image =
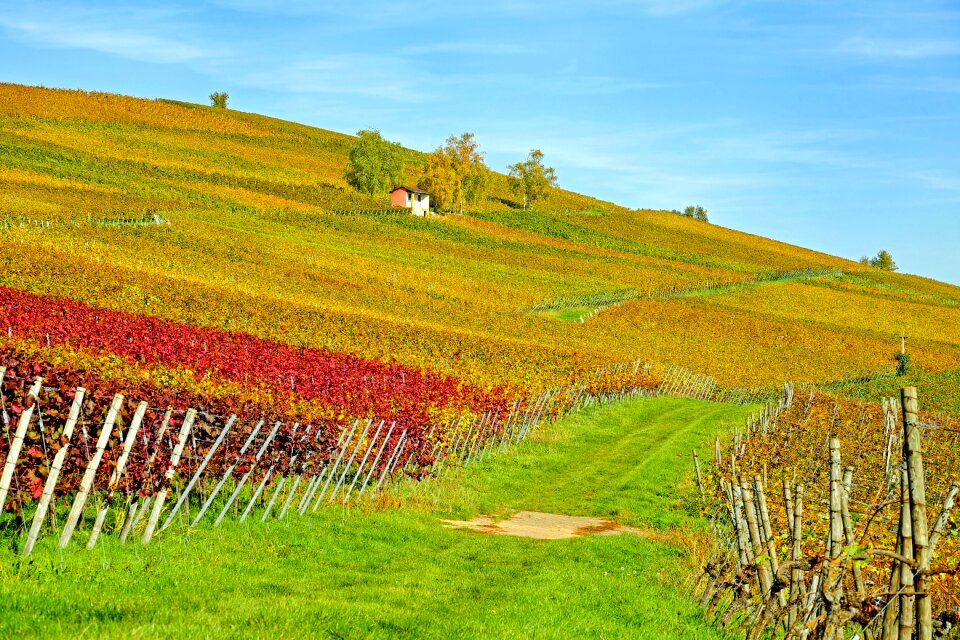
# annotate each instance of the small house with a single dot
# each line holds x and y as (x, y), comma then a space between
(417, 200)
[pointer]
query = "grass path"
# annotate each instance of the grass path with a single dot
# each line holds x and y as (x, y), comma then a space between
(397, 572)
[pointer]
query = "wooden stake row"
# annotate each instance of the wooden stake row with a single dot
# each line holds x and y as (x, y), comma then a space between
(752, 586)
(367, 456)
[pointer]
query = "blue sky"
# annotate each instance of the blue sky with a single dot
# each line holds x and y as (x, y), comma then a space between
(832, 125)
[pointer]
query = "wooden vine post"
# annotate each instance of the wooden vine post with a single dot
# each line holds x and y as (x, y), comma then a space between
(363, 463)
(137, 510)
(22, 424)
(349, 464)
(248, 474)
(185, 494)
(117, 474)
(373, 466)
(227, 474)
(321, 472)
(51, 483)
(848, 533)
(757, 548)
(918, 512)
(696, 466)
(88, 476)
(188, 419)
(392, 460)
(796, 551)
(907, 588)
(327, 471)
(832, 585)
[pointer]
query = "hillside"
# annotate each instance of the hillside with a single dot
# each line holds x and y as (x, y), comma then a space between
(247, 243)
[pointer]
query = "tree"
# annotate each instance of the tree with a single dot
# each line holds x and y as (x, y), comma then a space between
(883, 261)
(696, 212)
(530, 178)
(456, 173)
(219, 99)
(469, 166)
(440, 179)
(374, 164)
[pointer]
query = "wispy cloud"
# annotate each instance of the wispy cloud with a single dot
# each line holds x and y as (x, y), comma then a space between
(931, 84)
(937, 181)
(822, 148)
(141, 35)
(909, 49)
(596, 85)
(633, 166)
(379, 76)
(668, 7)
(391, 12)
(466, 47)
(421, 10)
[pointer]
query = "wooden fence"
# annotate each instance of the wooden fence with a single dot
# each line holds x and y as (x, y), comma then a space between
(769, 577)
(155, 467)
(389, 211)
(76, 221)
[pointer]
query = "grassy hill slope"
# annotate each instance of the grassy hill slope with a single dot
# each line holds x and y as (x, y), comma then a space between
(248, 243)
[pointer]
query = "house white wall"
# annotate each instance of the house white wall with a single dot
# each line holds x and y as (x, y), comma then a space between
(418, 203)
(421, 203)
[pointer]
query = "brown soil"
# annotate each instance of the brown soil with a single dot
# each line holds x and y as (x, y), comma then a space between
(545, 526)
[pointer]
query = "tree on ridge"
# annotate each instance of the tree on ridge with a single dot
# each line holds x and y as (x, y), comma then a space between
(531, 178)
(883, 261)
(456, 173)
(374, 165)
(696, 212)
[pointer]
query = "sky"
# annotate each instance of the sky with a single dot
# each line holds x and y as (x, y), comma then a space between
(831, 125)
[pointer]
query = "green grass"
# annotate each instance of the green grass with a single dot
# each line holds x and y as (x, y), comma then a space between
(397, 572)
(567, 314)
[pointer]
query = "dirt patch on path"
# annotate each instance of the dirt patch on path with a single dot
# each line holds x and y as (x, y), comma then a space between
(545, 526)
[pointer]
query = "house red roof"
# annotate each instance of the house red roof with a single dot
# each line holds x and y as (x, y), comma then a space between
(410, 190)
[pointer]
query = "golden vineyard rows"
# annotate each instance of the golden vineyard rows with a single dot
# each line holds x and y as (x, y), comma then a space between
(244, 243)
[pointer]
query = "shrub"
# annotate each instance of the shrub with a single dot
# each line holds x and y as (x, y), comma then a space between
(903, 363)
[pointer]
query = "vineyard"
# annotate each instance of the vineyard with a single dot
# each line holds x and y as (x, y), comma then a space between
(133, 454)
(201, 322)
(834, 515)
(260, 234)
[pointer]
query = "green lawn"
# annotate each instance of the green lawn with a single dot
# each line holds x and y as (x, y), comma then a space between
(397, 572)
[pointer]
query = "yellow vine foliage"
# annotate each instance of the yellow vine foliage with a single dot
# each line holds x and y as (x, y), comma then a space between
(248, 242)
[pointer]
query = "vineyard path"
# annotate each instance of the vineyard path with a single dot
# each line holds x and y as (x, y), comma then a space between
(397, 571)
